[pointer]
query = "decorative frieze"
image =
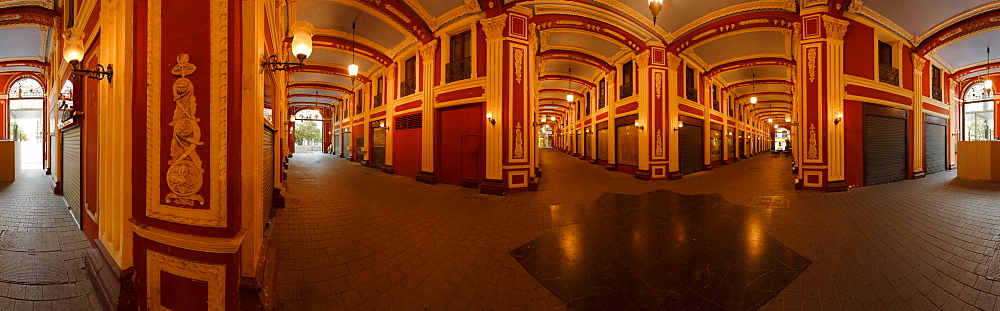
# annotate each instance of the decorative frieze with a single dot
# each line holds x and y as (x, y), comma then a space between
(813, 153)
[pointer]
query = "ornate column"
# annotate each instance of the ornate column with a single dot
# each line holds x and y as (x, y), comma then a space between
(642, 79)
(821, 89)
(672, 100)
(366, 127)
(194, 220)
(427, 54)
(494, 29)
(390, 112)
(531, 86)
(612, 90)
(656, 123)
(918, 116)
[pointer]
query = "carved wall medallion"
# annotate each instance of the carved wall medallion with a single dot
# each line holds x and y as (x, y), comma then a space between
(811, 60)
(659, 144)
(813, 144)
(658, 84)
(518, 64)
(184, 176)
(518, 142)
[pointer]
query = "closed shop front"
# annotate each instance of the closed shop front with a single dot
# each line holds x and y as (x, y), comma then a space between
(345, 143)
(627, 142)
(715, 143)
(268, 175)
(378, 144)
(588, 138)
(730, 144)
(602, 142)
(935, 144)
(885, 144)
(691, 146)
(71, 179)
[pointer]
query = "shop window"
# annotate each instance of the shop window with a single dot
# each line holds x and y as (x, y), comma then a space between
(729, 107)
(690, 90)
(587, 103)
(460, 64)
(359, 102)
(379, 88)
(625, 90)
(602, 96)
(936, 83)
(409, 84)
(887, 72)
(978, 109)
(716, 105)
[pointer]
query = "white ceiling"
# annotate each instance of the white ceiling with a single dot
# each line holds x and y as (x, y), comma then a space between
(314, 91)
(562, 68)
(677, 13)
(763, 72)
(741, 46)
(320, 77)
(21, 43)
(339, 59)
(597, 44)
(327, 14)
(439, 7)
(971, 50)
(919, 16)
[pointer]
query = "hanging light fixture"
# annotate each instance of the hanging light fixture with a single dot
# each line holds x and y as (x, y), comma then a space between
(753, 85)
(654, 7)
(569, 85)
(352, 69)
(987, 84)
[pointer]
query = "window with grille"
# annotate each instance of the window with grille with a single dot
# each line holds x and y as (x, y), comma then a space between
(690, 90)
(409, 84)
(936, 83)
(410, 121)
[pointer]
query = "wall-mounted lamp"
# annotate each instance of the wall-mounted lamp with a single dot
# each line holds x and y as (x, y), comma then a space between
(680, 124)
(381, 124)
(788, 119)
(840, 116)
(302, 46)
(588, 131)
(489, 117)
(730, 133)
(640, 127)
(73, 53)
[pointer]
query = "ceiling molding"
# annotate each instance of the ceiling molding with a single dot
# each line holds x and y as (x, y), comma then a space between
(747, 21)
(320, 86)
(748, 63)
(962, 30)
(758, 82)
(401, 14)
(341, 44)
(994, 5)
(572, 79)
(556, 21)
(330, 70)
(579, 57)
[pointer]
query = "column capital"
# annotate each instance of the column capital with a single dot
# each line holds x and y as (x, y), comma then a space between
(642, 60)
(390, 72)
(427, 51)
(835, 27)
(494, 26)
(918, 63)
(673, 62)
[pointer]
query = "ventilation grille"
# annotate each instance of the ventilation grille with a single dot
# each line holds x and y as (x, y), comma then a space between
(413, 121)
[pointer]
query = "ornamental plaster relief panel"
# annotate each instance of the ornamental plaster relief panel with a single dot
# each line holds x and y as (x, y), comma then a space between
(213, 274)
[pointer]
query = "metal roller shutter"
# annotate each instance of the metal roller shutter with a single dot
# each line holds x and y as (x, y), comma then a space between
(935, 140)
(885, 149)
(268, 173)
(691, 148)
(586, 144)
(378, 147)
(71, 178)
(602, 144)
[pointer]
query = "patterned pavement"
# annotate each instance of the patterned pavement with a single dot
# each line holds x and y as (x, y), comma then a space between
(355, 238)
(41, 249)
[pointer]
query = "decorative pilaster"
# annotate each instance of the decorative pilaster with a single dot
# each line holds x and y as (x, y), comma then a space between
(612, 91)
(918, 116)
(389, 89)
(642, 79)
(494, 29)
(672, 100)
(427, 54)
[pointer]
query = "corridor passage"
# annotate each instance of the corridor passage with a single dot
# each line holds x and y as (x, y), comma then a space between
(355, 238)
(42, 249)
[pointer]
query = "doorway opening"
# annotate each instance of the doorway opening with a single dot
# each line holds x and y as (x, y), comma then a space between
(308, 131)
(27, 100)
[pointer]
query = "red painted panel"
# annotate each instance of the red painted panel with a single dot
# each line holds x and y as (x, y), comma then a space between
(602, 116)
(873, 93)
(587, 122)
(181, 293)
(626, 108)
(455, 125)
(859, 43)
(731, 122)
(854, 170)
(934, 108)
(460, 94)
(627, 168)
(408, 106)
(689, 109)
(231, 262)
(907, 71)
(517, 179)
(377, 115)
(715, 117)
(406, 151)
(470, 156)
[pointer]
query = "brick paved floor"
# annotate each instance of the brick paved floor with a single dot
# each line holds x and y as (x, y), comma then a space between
(356, 238)
(36, 223)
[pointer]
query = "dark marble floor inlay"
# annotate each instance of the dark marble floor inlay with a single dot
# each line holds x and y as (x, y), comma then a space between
(660, 251)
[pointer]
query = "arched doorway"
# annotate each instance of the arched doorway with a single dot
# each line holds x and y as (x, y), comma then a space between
(26, 99)
(308, 131)
(978, 120)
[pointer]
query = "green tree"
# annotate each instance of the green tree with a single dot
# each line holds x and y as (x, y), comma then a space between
(307, 132)
(978, 130)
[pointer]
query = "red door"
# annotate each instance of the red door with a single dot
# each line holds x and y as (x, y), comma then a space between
(460, 136)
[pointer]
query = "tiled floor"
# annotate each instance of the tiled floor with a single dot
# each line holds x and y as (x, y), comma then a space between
(356, 238)
(41, 249)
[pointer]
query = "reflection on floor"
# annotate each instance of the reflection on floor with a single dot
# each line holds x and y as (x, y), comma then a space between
(660, 250)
